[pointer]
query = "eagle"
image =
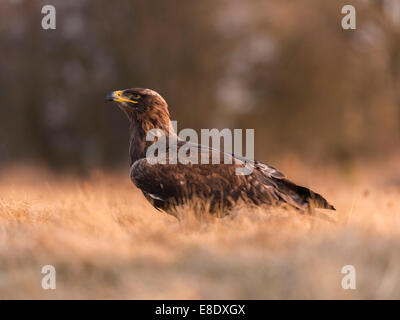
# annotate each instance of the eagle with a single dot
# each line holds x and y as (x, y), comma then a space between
(168, 185)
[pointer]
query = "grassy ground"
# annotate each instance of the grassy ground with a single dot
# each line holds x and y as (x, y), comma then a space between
(106, 241)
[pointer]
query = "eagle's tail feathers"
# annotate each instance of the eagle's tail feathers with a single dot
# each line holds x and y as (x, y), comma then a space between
(303, 196)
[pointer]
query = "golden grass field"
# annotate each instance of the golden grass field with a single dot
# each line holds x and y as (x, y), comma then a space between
(106, 241)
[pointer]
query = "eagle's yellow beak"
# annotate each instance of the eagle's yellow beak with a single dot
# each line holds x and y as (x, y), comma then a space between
(118, 97)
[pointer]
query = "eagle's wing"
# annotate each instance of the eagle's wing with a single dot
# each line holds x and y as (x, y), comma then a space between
(292, 193)
(298, 196)
(219, 183)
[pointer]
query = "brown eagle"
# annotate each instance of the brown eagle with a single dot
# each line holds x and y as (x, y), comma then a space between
(168, 185)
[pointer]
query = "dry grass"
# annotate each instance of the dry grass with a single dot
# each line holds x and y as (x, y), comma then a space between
(106, 241)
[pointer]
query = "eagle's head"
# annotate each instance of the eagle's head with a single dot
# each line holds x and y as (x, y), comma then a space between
(143, 107)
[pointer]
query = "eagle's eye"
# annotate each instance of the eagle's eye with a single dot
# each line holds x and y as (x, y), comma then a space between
(136, 96)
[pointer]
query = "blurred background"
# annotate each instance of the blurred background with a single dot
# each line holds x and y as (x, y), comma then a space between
(285, 68)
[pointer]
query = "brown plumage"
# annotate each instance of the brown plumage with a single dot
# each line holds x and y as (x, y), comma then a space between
(169, 185)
